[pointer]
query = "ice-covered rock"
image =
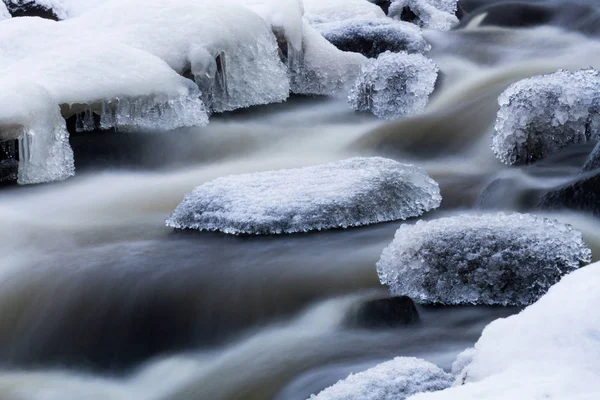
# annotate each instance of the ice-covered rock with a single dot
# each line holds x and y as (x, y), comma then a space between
(545, 113)
(397, 379)
(352, 192)
(507, 259)
(551, 350)
(394, 85)
(433, 14)
(371, 37)
(593, 161)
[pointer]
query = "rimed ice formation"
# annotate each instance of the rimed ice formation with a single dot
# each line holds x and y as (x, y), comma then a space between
(545, 113)
(433, 14)
(551, 350)
(353, 192)
(397, 379)
(507, 259)
(394, 85)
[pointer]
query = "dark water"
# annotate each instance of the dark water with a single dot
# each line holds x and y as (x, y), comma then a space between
(98, 300)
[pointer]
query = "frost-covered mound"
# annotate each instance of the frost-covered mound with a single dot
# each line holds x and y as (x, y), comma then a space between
(392, 380)
(371, 37)
(508, 259)
(545, 113)
(394, 85)
(353, 192)
(551, 350)
(433, 14)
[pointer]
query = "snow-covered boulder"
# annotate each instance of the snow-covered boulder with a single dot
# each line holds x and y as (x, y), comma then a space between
(432, 14)
(507, 259)
(371, 37)
(353, 192)
(551, 350)
(397, 379)
(543, 114)
(394, 85)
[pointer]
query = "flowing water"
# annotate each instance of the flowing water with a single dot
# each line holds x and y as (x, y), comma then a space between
(99, 300)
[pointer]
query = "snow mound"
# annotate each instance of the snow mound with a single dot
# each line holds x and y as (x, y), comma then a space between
(545, 113)
(551, 350)
(371, 37)
(432, 14)
(507, 259)
(394, 85)
(353, 192)
(392, 380)
(4, 14)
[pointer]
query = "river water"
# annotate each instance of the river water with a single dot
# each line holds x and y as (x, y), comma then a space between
(99, 300)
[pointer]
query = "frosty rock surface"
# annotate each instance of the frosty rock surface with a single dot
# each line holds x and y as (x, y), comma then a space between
(551, 350)
(432, 14)
(394, 85)
(397, 379)
(546, 113)
(507, 259)
(353, 192)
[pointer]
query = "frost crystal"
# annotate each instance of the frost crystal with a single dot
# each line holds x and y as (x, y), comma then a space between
(433, 14)
(353, 192)
(507, 259)
(545, 113)
(394, 85)
(397, 379)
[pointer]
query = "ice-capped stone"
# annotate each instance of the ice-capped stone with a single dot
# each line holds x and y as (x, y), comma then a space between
(551, 350)
(432, 14)
(593, 161)
(546, 113)
(504, 259)
(397, 379)
(394, 85)
(352, 192)
(371, 37)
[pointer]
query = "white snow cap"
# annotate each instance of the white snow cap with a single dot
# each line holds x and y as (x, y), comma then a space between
(551, 350)
(540, 115)
(353, 192)
(392, 380)
(507, 259)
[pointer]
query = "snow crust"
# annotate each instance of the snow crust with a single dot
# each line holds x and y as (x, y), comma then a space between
(352, 192)
(551, 350)
(392, 380)
(545, 113)
(394, 85)
(506, 259)
(432, 14)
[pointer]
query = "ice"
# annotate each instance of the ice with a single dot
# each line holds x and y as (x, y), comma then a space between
(459, 366)
(352, 192)
(4, 14)
(432, 14)
(551, 350)
(392, 380)
(371, 37)
(394, 85)
(545, 113)
(506, 259)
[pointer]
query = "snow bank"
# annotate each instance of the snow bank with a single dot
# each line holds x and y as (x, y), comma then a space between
(545, 113)
(551, 350)
(392, 380)
(353, 192)
(507, 259)
(433, 14)
(394, 85)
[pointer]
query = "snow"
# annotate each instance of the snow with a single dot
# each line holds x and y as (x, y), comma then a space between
(319, 11)
(432, 14)
(540, 115)
(505, 259)
(392, 380)
(4, 14)
(551, 350)
(352, 192)
(394, 85)
(63, 9)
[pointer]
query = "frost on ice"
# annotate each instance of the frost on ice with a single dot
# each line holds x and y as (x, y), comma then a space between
(545, 113)
(551, 350)
(394, 85)
(507, 259)
(392, 380)
(353, 192)
(433, 14)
